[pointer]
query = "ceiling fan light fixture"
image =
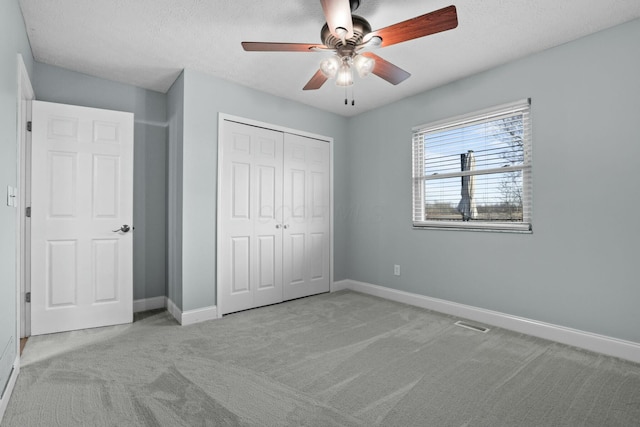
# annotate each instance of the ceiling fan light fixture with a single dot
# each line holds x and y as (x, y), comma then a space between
(345, 74)
(330, 66)
(364, 65)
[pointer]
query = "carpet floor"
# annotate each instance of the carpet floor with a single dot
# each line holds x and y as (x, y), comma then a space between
(341, 359)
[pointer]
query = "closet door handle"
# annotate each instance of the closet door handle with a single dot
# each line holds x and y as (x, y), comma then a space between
(278, 226)
(286, 226)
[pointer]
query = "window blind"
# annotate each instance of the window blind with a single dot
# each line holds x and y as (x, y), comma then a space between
(474, 171)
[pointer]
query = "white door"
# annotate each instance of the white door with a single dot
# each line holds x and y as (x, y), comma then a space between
(273, 217)
(250, 226)
(81, 191)
(307, 217)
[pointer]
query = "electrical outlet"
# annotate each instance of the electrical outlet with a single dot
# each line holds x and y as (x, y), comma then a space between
(396, 270)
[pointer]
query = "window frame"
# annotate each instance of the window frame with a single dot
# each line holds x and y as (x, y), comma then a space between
(419, 178)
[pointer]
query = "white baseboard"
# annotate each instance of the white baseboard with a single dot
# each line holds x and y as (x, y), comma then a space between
(200, 315)
(149, 304)
(589, 341)
(173, 309)
(340, 285)
(4, 399)
(190, 317)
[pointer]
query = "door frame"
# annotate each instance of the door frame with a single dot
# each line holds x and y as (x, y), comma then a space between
(24, 98)
(222, 117)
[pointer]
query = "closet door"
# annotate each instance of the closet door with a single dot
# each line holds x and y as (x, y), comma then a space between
(250, 228)
(306, 216)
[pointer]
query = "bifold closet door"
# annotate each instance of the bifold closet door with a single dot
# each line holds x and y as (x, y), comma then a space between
(274, 217)
(250, 232)
(307, 226)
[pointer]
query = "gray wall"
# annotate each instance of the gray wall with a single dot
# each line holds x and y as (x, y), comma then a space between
(56, 84)
(579, 267)
(13, 41)
(175, 116)
(204, 98)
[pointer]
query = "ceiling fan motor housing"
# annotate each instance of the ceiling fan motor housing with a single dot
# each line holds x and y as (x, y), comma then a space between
(360, 29)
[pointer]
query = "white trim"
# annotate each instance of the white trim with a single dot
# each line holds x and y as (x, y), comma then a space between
(587, 340)
(199, 315)
(149, 304)
(479, 225)
(341, 285)
(11, 382)
(190, 317)
(25, 95)
(463, 119)
(220, 159)
(223, 116)
(173, 309)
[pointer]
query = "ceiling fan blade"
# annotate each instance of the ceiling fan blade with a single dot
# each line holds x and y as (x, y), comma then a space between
(280, 47)
(338, 15)
(316, 81)
(386, 70)
(420, 26)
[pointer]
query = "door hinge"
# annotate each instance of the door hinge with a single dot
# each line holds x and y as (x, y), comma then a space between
(29, 126)
(28, 212)
(27, 297)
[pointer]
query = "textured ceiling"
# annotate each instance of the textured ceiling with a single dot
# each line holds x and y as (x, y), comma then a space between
(148, 42)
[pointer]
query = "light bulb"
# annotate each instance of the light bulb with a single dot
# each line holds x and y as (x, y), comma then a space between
(345, 75)
(364, 65)
(329, 66)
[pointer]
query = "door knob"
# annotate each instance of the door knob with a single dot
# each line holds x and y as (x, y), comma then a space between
(125, 228)
(278, 226)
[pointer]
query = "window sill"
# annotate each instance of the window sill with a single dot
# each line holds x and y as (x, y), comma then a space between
(522, 228)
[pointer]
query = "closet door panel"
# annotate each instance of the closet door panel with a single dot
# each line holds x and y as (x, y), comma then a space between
(307, 228)
(317, 256)
(319, 218)
(241, 190)
(266, 262)
(267, 192)
(294, 260)
(241, 265)
(250, 237)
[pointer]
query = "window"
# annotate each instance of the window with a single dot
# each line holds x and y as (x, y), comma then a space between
(474, 171)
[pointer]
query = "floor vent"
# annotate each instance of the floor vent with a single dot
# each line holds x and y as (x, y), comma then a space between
(472, 327)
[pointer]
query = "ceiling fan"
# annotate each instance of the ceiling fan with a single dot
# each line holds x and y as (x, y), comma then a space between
(351, 39)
